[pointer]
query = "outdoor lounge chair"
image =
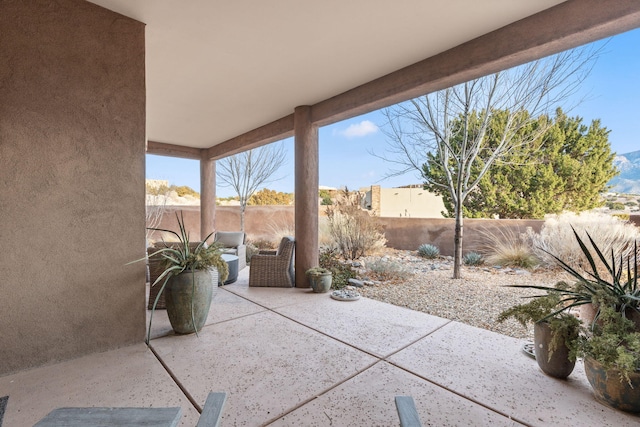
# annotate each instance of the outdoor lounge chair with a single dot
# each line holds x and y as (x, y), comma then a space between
(274, 269)
(233, 243)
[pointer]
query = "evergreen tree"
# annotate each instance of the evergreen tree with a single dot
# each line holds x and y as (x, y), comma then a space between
(566, 168)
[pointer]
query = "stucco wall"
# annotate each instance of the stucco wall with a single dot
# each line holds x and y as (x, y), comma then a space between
(410, 233)
(72, 143)
(401, 233)
(410, 203)
(259, 220)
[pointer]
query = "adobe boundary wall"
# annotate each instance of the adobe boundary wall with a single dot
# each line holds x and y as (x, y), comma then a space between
(401, 233)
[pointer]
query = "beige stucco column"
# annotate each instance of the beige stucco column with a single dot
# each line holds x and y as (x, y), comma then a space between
(306, 193)
(207, 197)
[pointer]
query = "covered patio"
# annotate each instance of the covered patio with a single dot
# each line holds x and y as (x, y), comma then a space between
(88, 88)
(289, 357)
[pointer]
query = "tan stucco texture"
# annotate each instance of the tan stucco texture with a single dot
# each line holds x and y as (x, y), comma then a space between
(72, 145)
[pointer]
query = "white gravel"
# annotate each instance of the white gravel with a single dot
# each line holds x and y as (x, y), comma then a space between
(477, 299)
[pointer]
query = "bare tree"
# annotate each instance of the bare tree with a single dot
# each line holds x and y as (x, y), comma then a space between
(451, 125)
(246, 171)
(157, 197)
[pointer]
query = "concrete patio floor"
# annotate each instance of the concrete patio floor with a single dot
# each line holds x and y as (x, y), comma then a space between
(288, 357)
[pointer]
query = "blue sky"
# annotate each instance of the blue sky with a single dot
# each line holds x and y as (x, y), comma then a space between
(611, 93)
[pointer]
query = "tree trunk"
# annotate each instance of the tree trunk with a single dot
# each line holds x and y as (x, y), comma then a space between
(242, 208)
(457, 243)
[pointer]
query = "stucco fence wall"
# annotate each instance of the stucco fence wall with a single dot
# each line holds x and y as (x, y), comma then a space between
(401, 233)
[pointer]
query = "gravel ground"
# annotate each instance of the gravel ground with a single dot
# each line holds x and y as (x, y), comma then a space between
(477, 299)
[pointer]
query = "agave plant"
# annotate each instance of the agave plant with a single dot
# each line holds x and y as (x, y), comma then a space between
(179, 257)
(621, 293)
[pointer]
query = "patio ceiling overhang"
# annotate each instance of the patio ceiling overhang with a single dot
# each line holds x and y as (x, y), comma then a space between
(223, 77)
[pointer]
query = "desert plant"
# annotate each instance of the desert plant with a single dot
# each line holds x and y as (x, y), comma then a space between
(557, 237)
(383, 269)
(317, 271)
(282, 227)
(619, 291)
(342, 272)
(355, 233)
(509, 248)
(157, 197)
(548, 308)
(473, 258)
(251, 251)
(180, 257)
(428, 251)
(614, 342)
(262, 244)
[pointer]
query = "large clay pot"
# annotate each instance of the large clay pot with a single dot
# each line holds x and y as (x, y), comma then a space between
(633, 315)
(610, 389)
(320, 283)
(557, 364)
(588, 313)
(178, 298)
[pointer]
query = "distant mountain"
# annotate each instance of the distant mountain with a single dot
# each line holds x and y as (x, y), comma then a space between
(629, 179)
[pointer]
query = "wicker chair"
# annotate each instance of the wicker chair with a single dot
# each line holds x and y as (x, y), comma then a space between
(274, 269)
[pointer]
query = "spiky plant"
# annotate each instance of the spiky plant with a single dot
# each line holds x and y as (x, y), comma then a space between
(428, 251)
(179, 257)
(618, 291)
(473, 258)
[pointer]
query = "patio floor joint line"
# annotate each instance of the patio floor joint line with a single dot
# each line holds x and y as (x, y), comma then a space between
(175, 380)
(317, 395)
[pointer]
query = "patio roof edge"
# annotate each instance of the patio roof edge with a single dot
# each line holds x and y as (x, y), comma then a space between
(565, 26)
(171, 150)
(271, 132)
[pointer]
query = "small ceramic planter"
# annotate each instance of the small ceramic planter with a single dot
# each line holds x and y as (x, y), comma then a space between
(320, 283)
(555, 364)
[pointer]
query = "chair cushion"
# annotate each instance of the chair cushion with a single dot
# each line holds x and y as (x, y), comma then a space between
(230, 239)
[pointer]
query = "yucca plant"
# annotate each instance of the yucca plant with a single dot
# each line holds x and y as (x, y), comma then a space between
(620, 292)
(179, 257)
(428, 251)
(473, 258)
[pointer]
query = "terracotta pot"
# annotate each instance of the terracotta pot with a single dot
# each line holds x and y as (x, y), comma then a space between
(608, 388)
(634, 316)
(178, 295)
(557, 364)
(320, 283)
(587, 314)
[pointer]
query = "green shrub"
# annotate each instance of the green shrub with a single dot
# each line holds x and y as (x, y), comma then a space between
(325, 195)
(615, 206)
(428, 251)
(342, 272)
(385, 270)
(473, 258)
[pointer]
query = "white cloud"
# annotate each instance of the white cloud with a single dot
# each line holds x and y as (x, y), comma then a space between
(361, 129)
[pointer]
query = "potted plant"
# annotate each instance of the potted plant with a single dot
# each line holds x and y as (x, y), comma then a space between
(611, 346)
(320, 279)
(555, 333)
(611, 352)
(620, 289)
(186, 279)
